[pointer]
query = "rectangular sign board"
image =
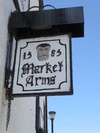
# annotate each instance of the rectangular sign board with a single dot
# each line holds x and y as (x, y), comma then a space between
(43, 66)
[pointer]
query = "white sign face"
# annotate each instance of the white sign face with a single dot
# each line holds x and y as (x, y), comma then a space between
(23, 4)
(43, 66)
(34, 4)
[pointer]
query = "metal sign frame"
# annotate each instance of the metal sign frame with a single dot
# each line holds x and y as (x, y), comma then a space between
(24, 5)
(19, 90)
(47, 22)
(21, 6)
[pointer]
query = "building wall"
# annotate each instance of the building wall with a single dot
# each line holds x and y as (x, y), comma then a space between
(5, 10)
(23, 110)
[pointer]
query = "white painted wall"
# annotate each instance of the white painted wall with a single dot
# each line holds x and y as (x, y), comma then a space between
(42, 102)
(5, 9)
(22, 119)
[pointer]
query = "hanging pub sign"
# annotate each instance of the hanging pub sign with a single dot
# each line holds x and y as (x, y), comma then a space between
(43, 66)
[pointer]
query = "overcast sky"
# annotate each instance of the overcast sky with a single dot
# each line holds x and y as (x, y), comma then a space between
(80, 113)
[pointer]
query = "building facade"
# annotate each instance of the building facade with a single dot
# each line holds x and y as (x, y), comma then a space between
(20, 115)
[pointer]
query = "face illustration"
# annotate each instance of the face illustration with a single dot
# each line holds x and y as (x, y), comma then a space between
(43, 51)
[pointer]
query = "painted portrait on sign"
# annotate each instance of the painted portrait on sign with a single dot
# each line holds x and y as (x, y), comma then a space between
(43, 51)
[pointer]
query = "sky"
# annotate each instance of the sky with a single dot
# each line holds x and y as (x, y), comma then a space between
(80, 112)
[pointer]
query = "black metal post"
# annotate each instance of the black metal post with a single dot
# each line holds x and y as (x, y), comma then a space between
(37, 113)
(52, 125)
(41, 4)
